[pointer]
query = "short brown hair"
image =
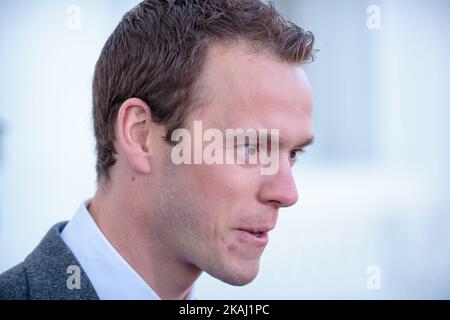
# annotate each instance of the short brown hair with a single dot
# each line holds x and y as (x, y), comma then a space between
(157, 52)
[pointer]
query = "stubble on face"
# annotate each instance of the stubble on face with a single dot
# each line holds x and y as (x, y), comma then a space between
(199, 207)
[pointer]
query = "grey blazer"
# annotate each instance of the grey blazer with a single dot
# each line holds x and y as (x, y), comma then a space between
(48, 274)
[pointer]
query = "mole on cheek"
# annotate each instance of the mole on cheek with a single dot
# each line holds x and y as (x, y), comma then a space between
(232, 247)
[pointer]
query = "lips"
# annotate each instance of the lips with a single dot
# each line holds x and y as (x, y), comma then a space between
(253, 236)
(257, 232)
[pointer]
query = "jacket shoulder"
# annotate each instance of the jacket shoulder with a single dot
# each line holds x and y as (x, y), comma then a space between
(44, 273)
(14, 284)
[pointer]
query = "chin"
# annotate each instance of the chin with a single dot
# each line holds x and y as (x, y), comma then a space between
(241, 281)
(239, 276)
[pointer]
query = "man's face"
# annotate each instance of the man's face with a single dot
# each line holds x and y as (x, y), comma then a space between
(209, 213)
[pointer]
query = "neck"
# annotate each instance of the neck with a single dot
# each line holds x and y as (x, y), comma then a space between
(128, 231)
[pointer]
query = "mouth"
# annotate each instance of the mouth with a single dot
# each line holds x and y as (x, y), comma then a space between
(258, 237)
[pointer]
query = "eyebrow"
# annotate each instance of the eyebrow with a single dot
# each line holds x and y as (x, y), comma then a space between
(306, 143)
(309, 141)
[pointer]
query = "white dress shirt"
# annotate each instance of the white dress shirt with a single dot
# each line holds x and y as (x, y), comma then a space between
(111, 276)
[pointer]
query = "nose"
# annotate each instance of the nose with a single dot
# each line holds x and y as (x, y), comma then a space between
(279, 190)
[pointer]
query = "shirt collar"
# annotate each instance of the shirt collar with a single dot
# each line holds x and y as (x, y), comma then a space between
(111, 276)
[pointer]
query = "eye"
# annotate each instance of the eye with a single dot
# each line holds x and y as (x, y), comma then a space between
(248, 149)
(294, 154)
(251, 149)
(247, 152)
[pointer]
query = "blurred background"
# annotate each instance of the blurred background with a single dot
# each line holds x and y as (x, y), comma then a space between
(373, 220)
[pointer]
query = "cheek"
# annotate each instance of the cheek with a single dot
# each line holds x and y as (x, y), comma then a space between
(227, 183)
(219, 195)
(225, 193)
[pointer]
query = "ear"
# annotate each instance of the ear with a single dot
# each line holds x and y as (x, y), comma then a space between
(134, 123)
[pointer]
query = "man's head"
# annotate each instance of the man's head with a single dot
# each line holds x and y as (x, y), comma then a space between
(229, 64)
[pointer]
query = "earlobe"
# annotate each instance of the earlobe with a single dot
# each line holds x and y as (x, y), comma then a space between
(133, 134)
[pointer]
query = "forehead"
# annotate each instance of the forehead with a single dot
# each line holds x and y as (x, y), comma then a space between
(247, 89)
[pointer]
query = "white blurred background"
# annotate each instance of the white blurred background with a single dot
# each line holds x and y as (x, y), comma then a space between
(373, 220)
